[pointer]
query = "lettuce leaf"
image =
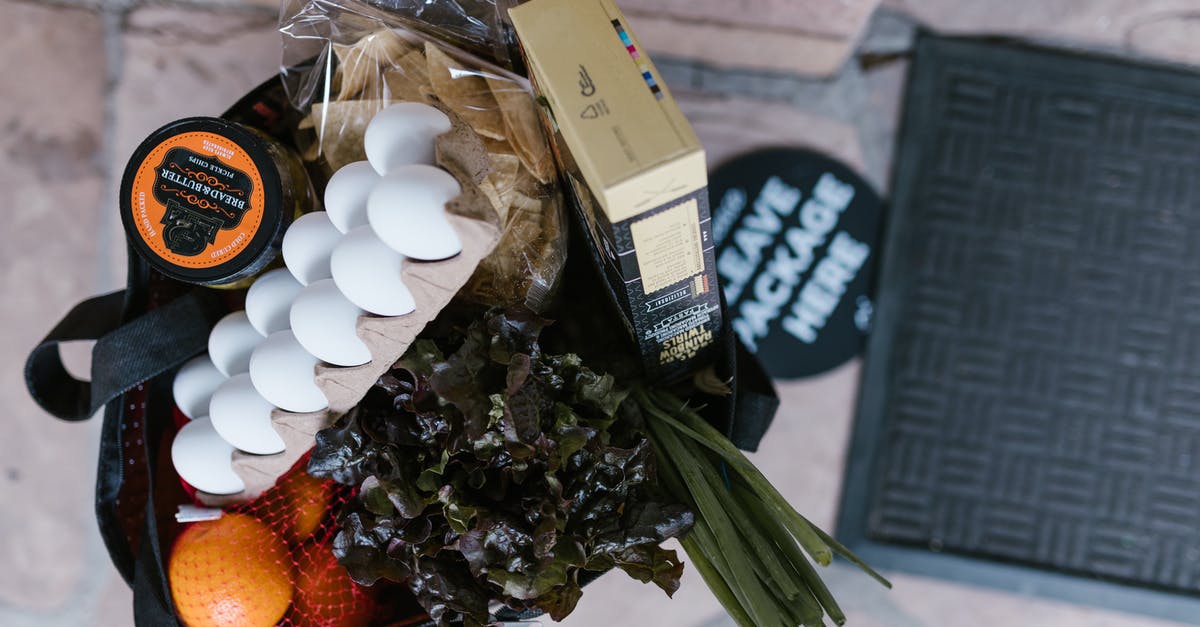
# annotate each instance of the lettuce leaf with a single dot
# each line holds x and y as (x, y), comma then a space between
(487, 471)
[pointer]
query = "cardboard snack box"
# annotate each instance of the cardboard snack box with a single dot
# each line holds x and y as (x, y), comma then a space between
(637, 173)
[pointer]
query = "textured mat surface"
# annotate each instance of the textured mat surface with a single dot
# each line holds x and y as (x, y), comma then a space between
(1032, 389)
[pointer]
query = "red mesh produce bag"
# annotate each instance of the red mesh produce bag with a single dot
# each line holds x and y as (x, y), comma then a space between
(270, 562)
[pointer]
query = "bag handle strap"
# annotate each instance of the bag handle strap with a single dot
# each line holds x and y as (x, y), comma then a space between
(756, 401)
(124, 355)
(152, 602)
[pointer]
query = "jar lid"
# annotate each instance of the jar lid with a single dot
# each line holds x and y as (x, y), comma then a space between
(201, 201)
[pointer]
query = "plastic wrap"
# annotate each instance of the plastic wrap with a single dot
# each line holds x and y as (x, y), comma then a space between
(479, 26)
(344, 60)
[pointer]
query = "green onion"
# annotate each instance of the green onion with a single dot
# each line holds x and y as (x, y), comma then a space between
(748, 543)
(729, 556)
(717, 584)
(795, 557)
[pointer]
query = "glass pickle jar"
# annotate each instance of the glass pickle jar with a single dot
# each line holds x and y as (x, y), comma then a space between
(207, 201)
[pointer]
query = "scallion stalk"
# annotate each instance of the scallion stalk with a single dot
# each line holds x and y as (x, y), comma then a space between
(749, 544)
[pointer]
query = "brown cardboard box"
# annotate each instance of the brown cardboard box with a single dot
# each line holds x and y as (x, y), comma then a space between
(637, 172)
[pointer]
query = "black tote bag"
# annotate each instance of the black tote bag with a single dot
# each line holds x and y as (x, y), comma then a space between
(145, 332)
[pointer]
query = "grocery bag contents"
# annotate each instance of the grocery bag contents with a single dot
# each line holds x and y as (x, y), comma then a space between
(203, 459)
(299, 505)
(194, 385)
(325, 322)
(368, 272)
(418, 199)
(402, 134)
(206, 201)
(387, 427)
(504, 472)
(346, 195)
(407, 210)
(382, 85)
(242, 417)
(749, 544)
(269, 300)
(326, 596)
(231, 342)
(637, 173)
(350, 274)
(270, 563)
(282, 371)
(231, 571)
(307, 246)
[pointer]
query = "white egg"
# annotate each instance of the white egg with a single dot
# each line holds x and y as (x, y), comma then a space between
(194, 385)
(346, 195)
(307, 245)
(403, 134)
(282, 372)
(407, 210)
(368, 274)
(242, 417)
(269, 300)
(231, 342)
(204, 460)
(323, 321)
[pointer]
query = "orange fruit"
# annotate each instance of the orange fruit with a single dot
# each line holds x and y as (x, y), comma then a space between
(303, 501)
(233, 571)
(325, 594)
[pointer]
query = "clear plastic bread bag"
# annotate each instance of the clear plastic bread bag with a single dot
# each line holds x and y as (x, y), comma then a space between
(345, 60)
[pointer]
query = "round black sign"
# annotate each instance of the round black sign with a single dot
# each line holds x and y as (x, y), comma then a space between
(797, 235)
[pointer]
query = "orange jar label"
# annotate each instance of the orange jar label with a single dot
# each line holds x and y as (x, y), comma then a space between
(197, 200)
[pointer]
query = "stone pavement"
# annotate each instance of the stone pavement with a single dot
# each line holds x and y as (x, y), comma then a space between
(87, 79)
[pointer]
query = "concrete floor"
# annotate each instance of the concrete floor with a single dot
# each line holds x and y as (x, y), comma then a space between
(86, 80)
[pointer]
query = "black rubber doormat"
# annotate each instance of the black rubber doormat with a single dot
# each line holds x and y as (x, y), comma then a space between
(1030, 413)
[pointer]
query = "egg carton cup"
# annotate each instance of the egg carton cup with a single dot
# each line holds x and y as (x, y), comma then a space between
(433, 284)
